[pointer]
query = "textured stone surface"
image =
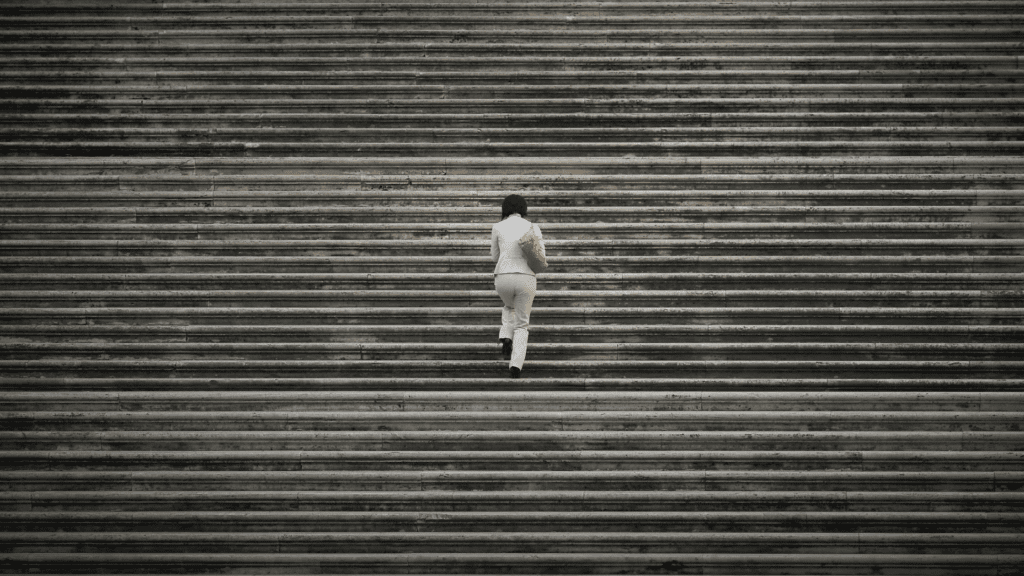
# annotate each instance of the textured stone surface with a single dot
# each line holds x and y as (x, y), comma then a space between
(247, 323)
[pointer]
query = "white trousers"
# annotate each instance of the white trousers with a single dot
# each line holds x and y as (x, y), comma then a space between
(517, 292)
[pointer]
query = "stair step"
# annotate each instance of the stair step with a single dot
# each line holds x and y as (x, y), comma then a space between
(552, 201)
(324, 73)
(740, 563)
(428, 522)
(924, 136)
(175, 93)
(552, 21)
(565, 15)
(481, 281)
(83, 166)
(26, 265)
(547, 469)
(515, 440)
(478, 60)
(549, 106)
(487, 298)
(60, 45)
(272, 7)
(502, 149)
(429, 351)
(819, 119)
(519, 180)
(419, 315)
(514, 542)
(437, 368)
(622, 247)
(510, 421)
(840, 72)
(373, 402)
(697, 31)
(1005, 224)
(451, 501)
(757, 334)
(257, 384)
(482, 218)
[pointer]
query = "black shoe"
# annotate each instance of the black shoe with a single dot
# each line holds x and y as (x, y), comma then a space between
(506, 348)
(513, 372)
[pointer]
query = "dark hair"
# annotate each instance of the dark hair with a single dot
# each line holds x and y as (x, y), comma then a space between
(514, 203)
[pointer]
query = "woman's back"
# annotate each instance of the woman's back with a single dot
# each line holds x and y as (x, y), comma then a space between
(505, 250)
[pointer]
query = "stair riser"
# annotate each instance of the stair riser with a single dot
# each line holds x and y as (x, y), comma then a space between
(489, 316)
(526, 182)
(297, 545)
(501, 485)
(494, 563)
(338, 249)
(299, 149)
(965, 139)
(255, 237)
(541, 201)
(912, 170)
(375, 239)
(576, 385)
(735, 32)
(551, 23)
(13, 338)
(488, 299)
(517, 440)
(963, 422)
(498, 369)
(405, 46)
(533, 501)
(428, 283)
(464, 81)
(551, 203)
(596, 485)
(386, 403)
(550, 352)
(523, 523)
(731, 470)
(57, 82)
(569, 19)
(459, 220)
(986, 88)
(996, 265)
(275, 9)
(550, 106)
(239, 505)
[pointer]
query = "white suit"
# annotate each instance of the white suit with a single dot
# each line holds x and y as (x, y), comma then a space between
(515, 282)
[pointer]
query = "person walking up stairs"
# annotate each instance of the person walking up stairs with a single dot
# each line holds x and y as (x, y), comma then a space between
(514, 279)
(247, 309)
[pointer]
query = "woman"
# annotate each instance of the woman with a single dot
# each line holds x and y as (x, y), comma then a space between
(515, 282)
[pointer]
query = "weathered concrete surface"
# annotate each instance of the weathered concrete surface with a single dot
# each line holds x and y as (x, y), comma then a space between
(247, 323)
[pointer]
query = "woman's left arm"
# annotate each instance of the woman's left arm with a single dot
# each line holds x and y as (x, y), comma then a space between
(543, 252)
(495, 249)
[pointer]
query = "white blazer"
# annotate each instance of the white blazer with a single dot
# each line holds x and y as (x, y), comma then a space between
(505, 250)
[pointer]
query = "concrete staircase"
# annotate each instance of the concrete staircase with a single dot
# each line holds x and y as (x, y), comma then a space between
(247, 323)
